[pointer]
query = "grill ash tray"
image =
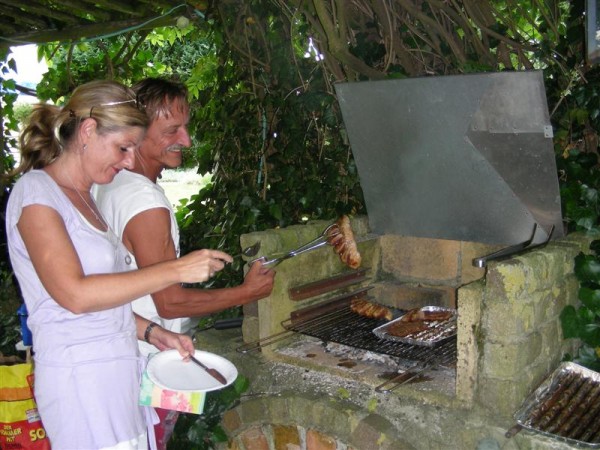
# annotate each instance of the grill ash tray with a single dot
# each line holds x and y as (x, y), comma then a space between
(419, 332)
(566, 406)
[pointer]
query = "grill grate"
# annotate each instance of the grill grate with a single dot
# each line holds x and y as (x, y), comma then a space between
(345, 327)
(566, 406)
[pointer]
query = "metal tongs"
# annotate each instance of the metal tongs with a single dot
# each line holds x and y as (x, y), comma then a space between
(319, 241)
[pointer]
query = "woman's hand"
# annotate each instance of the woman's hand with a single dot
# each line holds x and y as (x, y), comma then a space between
(200, 265)
(166, 340)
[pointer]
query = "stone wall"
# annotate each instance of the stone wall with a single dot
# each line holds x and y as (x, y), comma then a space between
(509, 340)
(302, 423)
(510, 336)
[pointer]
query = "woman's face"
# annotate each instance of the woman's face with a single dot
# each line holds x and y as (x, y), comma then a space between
(108, 154)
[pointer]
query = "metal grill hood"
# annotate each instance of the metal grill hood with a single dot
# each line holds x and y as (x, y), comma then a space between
(465, 157)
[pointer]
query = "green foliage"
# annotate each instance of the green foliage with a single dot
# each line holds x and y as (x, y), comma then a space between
(10, 123)
(271, 134)
(577, 122)
(22, 111)
(578, 191)
(164, 52)
(204, 432)
(9, 300)
(10, 330)
(583, 322)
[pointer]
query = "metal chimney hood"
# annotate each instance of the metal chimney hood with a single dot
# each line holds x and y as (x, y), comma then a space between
(465, 157)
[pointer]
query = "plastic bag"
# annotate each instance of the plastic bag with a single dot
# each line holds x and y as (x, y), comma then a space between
(20, 423)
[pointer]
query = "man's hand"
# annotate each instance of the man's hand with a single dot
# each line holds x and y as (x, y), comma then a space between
(258, 282)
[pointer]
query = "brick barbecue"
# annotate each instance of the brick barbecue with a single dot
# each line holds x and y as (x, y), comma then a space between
(509, 340)
(424, 243)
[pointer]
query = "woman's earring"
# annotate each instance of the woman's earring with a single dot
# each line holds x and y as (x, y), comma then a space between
(84, 148)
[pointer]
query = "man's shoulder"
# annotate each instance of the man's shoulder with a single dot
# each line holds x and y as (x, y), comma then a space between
(127, 196)
(129, 189)
(126, 178)
(124, 184)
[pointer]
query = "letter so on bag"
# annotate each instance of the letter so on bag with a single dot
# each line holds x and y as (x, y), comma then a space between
(20, 423)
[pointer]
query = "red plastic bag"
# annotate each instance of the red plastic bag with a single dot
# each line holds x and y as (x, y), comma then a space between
(20, 423)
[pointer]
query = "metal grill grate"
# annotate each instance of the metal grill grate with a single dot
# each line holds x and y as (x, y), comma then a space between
(566, 406)
(343, 326)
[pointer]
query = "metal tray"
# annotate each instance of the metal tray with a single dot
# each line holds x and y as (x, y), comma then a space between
(566, 406)
(436, 331)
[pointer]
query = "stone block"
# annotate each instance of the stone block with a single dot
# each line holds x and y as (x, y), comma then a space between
(561, 263)
(505, 281)
(250, 309)
(280, 410)
(576, 242)
(316, 440)
(255, 411)
(254, 439)
(270, 241)
(571, 292)
(233, 445)
(296, 235)
(405, 296)
(550, 303)
(502, 397)
(332, 416)
(507, 320)
(250, 329)
(231, 421)
(468, 327)
(416, 259)
(285, 437)
(553, 344)
(376, 432)
(508, 360)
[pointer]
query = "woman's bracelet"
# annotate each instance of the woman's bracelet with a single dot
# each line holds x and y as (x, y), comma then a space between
(149, 330)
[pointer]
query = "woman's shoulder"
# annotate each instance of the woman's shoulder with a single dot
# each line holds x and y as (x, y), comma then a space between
(34, 185)
(36, 176)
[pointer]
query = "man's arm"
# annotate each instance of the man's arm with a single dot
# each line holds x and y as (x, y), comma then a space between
(148, 236)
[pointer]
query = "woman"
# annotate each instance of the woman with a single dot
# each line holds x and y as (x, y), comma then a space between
(73, 271)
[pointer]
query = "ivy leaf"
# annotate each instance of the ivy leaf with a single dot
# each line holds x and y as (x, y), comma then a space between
(219, 434)
(276, 211)
(570, 323)
(197, 432)
(590, 334)
(588, 357)
(241, 384)
(595, 246)
(372, 404)
(590, 298)
(587, 268)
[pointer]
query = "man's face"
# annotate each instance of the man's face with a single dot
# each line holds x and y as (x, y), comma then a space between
(166, 137)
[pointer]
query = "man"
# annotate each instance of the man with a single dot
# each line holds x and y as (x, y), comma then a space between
(139, 212)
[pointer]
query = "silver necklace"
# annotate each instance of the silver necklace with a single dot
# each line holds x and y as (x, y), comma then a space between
(111, 235)
(99, 218)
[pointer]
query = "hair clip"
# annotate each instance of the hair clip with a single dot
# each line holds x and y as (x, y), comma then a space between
(135, 101)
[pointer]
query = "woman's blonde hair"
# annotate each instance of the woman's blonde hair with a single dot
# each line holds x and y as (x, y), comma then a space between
(50, 129)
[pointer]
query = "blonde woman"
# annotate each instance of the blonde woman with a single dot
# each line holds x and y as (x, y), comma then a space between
(74, 272)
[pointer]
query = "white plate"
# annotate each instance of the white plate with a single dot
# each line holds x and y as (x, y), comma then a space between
(169, 371)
